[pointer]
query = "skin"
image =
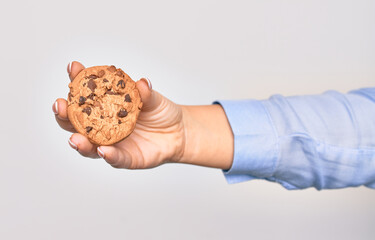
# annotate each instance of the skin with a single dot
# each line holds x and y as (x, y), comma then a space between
(165, 132)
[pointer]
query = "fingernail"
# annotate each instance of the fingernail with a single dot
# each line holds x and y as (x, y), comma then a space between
(72, 145)
(100, 152)
(55, 108)
(69, 68)
(149, 83)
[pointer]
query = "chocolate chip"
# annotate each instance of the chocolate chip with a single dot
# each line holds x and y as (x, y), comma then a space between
(127, 98)
(112, 68)
(101, 117)
(91, 84)
(119, 121)
(110, 92)
(87, 110)
(88, 129)
(70, 97)
(82, 100)
(84, 84)
(101, 73)
(122, 113)
(92, 76)
(105, 80)
(91, 96)
(119, 73)
(121, 83)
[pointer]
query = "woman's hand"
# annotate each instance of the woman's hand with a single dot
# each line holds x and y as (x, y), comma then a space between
(158, 137)
(164, 132)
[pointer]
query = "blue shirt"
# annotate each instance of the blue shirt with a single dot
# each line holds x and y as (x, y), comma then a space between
(324, 141)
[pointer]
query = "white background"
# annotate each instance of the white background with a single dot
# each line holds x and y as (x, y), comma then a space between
(194, 52)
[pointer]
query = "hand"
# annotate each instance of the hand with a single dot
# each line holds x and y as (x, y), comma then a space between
(158, 137)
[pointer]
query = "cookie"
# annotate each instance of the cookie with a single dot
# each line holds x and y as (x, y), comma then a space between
(103, 104)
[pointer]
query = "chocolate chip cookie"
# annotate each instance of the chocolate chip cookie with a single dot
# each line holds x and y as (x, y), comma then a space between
(103, 104)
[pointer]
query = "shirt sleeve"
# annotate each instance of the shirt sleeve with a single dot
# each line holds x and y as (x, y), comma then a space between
(324, 141)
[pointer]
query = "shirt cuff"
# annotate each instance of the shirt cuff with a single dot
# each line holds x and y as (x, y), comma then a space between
(255, 141)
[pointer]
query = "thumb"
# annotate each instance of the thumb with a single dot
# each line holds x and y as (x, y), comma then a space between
(151, 99)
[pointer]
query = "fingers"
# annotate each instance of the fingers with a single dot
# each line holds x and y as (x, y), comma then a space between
(116, 157)
(151, 99)
(74, 68)
(83, 145)
(60, 108)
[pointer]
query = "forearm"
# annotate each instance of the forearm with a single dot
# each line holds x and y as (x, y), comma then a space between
(208, 137)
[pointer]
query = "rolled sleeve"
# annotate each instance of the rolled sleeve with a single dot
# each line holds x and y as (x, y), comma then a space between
(255, 141)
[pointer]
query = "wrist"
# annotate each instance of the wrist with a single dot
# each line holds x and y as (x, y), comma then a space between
(208, 137)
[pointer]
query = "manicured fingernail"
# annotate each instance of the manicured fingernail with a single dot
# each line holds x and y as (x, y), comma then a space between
(72, 145)
(69, 68)
(149, 83)
(100, 152)
(55, 108)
